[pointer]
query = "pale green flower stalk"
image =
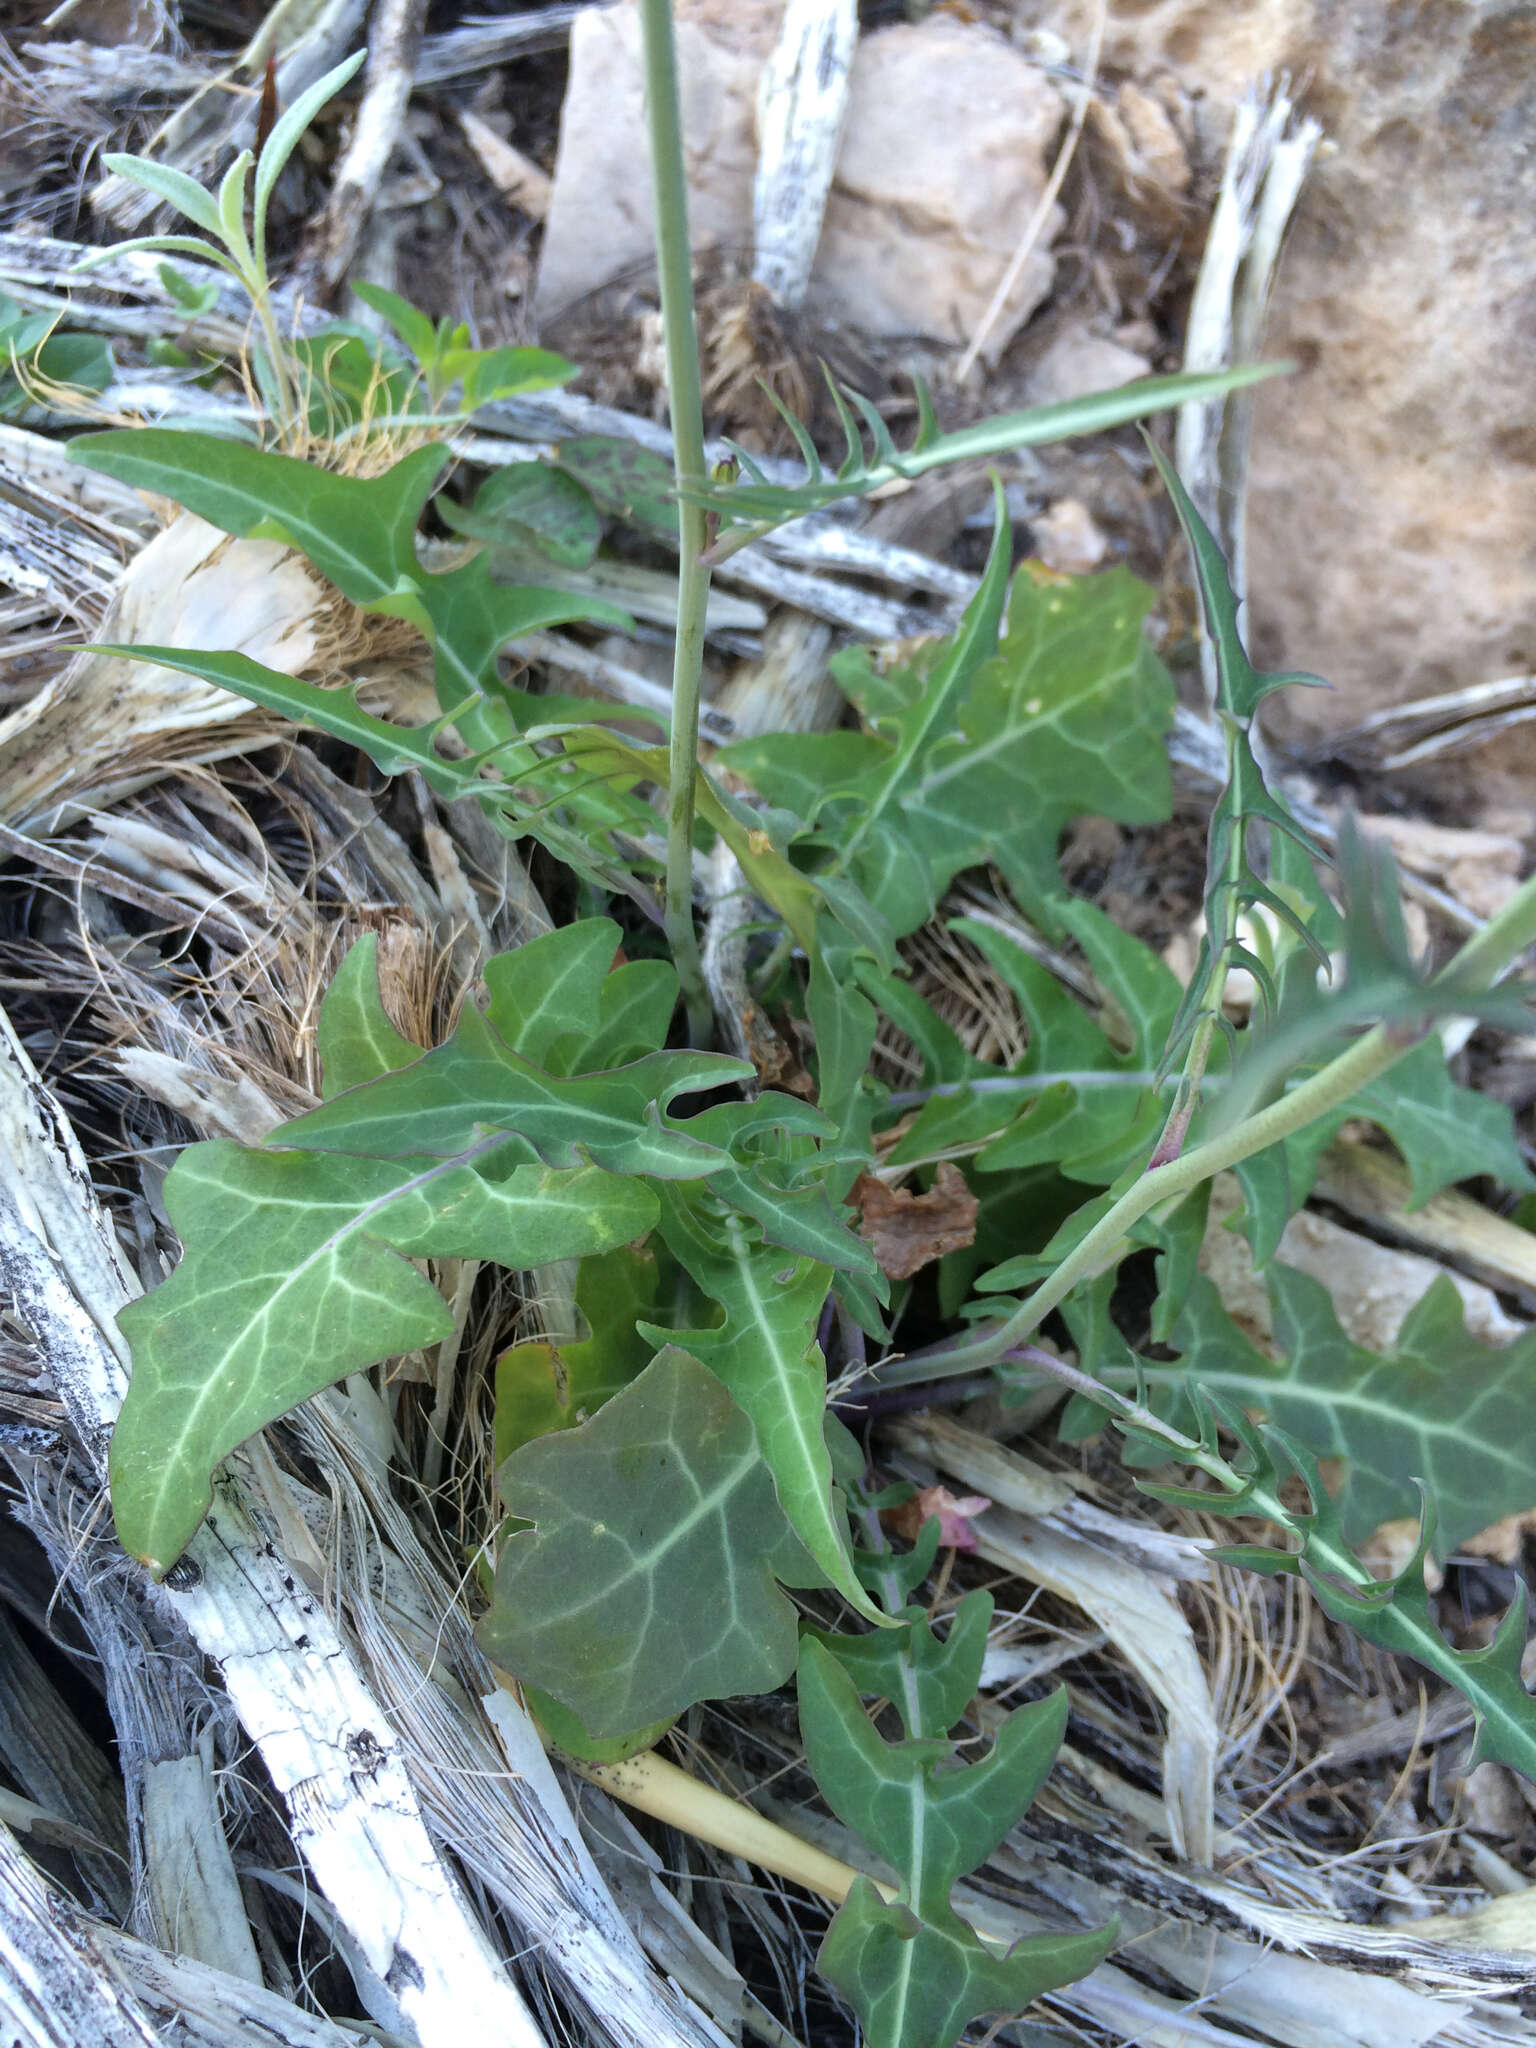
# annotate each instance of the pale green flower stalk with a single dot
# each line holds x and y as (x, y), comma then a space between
(674, 264)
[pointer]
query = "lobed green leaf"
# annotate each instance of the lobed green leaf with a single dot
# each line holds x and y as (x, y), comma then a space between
(530, 505)
(1439, 1410)
(296, 1271)
(648, 1580)
(915, 1972)
(1393, 1613)
(931, 1679)
(981, 749)
(546, 1383)
(763, 1349)
(476, 1083)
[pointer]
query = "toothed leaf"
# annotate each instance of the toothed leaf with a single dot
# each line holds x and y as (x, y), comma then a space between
(915, 1972)
(297, 1271)
(1439, 1408)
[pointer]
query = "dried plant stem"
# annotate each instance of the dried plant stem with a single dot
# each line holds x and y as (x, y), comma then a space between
(652, 1785)
(1035, 225)
(332, 239)
(674, 263)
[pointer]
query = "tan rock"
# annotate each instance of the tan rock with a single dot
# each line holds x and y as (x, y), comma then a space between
(925, 211)
(599, 224)
(1218, 46)
(1393, 516)
(1159, 151)
(1393, 503)
(1373, 1285)
(1066, 538)
(944, 159)
(1079, 361)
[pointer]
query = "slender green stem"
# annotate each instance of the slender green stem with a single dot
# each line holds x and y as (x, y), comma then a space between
(1265, 1502)
(1486, 955)
(287, 403)
(1191, 1082)
(1478, 963)
(1028, 1084)
(891, 1597)
(1341, 1078)
(1038, 427)
(674, 264)
(1197, 1059)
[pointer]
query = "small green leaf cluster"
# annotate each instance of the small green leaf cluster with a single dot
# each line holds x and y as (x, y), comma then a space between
(231, 244)
(446, 363)
(340, 379)
(36, 360)
(545, 1128)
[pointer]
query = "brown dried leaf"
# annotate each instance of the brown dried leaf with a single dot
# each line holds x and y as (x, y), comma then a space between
(906, 1231)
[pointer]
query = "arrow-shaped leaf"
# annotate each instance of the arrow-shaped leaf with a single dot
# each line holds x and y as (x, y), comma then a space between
(476, 1083)
(913, 1970)
(296, 1272)
(360, 532)
(764, 1350)
(982, 747)
(355, 1039)
(647, 1581)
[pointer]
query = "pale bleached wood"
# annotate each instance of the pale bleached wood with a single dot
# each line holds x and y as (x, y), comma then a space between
(327, 1736)
(486, 40)
(802, 97)
(1267, 161)
(329, 1748)
(189, 1871)
(394, 42)
(52, 1993)
(49, 1754)
(69, 1981)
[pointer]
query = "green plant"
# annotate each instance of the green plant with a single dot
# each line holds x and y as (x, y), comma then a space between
(238, 249)
(915, 1971)
(681, 1444)
(36, 360)
(338, 381)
